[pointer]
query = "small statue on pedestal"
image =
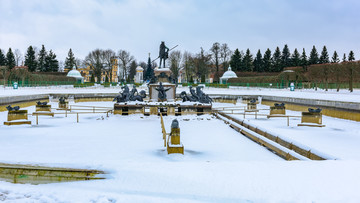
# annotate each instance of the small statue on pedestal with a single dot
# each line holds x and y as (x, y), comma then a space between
(162, 92)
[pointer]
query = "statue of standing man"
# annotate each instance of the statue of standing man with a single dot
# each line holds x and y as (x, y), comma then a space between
(163, 53)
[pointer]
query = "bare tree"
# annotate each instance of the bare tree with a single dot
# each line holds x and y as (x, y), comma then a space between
(215, 54)
(201, 63)
(225, 54)
(95, 60)
(108, 56)
(125, 59)
(78, 62)
(175, 63)
(18, 57)
(4, 70)
(61, 66)
(187, 65)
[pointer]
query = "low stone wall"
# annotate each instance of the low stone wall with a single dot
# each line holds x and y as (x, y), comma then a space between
(25, 98)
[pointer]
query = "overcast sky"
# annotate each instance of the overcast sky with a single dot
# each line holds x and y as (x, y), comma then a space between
(139, 26)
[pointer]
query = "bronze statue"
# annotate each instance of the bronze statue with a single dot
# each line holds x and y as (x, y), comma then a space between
(163, 53)
(41, 103)
(162, 92)
(126, 95)
(198, 96)
(15, 108)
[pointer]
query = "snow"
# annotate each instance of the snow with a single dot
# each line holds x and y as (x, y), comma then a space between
(219, 164)
(343, 95)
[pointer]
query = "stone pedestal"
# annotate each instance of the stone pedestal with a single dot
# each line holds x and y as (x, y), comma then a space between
(275, 110)
(311, 119)
(170, 94)
(17, 118)
(162, 74)
(43, 108)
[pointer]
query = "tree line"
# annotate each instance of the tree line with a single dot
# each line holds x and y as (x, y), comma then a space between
(277, 61)
(195, 66)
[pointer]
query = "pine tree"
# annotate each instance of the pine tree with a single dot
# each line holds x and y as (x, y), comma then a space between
(276, 61)
(295, 58)
(92, 78)
(248, 61)
(30, 59)
(70, 60)
(351, 56)
(324, 58)
(285, 57)
(10, 59)
(106, 79)
(51, 63)
(267, 61)
(41, 59)
(2, 58)
(258, 62)
(335, 58)
(235, 61)
(344, 58)
(304, 61)
(314, 56)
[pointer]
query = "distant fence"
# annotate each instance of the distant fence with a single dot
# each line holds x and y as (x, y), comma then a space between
(39, 83)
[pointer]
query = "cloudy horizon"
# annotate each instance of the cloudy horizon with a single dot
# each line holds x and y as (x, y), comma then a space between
(139, 26)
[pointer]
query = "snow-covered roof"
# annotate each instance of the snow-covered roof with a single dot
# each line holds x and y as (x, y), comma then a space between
(229, 74)
(139, 68)
(74, 73)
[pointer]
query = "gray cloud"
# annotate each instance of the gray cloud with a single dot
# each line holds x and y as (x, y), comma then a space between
(139, 26)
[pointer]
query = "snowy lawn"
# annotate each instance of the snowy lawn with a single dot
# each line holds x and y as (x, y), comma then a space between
(343, 95)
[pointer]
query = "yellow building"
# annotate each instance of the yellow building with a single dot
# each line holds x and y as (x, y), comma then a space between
(86, 72)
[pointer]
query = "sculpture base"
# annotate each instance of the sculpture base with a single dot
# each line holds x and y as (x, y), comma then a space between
(277, 110)
(162, 74)
(17, 122)
(43, 107)
(170, 94)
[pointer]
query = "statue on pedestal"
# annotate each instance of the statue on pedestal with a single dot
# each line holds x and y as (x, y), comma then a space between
(162, 92)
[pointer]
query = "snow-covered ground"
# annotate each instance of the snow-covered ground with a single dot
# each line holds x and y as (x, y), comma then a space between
(343, 95)
(339, 139)
(219, 164)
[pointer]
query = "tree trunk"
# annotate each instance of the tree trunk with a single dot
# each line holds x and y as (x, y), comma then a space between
(351, 79)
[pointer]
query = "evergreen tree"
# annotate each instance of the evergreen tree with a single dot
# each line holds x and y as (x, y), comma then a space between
(304, 60)
(2, 58)
(258, 62)
(344, 58)
(70, 60)
(235, 61)
(335, 58)
(351, 56)
(295, 58)
(285, 57)
(267, 61)
(248, 61)
(30, 59)
(314, 56)
(324, 58)
(10, 59)
(51, 63)
(276, 61)
(92, 78)
(41, 59)
(106, 79)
